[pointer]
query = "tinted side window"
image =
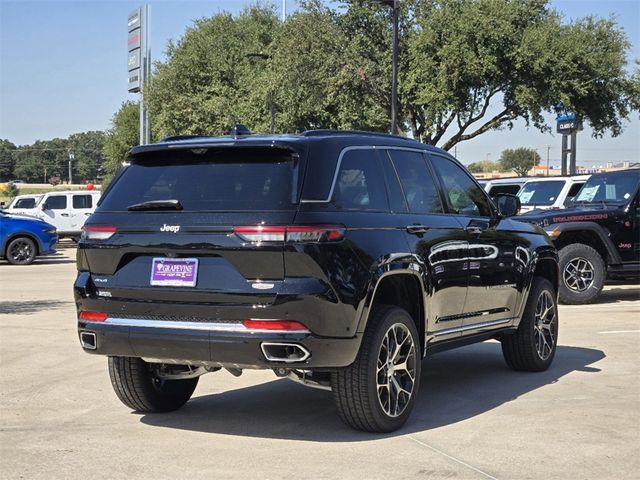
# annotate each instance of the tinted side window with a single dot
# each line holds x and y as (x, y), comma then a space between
(360, 182)
(417, 182)
(513, 189)
(575, 188)
(82, 201)
(57, 202)
(396, 196)
(462, 194)
(25, 203)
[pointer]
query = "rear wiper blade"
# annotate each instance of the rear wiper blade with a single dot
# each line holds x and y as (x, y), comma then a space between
(156, 205)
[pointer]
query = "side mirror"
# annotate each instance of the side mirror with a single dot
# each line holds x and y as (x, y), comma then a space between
(508, 204)
(44, 206)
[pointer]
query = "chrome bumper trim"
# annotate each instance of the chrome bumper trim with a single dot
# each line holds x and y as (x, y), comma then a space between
(235, 327)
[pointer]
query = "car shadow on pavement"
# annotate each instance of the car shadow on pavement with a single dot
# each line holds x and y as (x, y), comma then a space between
(611, 295)
(30, 306)
(455, 386)
(53, 260)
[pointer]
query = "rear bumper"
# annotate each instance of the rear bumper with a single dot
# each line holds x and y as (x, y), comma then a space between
(212, 344)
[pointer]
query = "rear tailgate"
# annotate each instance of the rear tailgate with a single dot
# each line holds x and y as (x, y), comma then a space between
(217, 191)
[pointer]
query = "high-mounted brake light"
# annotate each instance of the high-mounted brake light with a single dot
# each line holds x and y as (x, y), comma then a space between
(290, 326)
(293, 234)
(93, 316)
(95, 232)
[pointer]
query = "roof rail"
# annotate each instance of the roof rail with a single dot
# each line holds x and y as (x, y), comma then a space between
(321, 133)
(175, 138)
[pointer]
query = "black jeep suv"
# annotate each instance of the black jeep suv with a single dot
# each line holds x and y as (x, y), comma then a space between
(337, 259)
(598, 236)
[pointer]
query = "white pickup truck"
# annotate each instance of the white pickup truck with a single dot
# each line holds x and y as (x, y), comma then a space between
(67, 211)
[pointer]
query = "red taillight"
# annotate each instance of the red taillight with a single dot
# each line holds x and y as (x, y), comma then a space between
(93, 316)
(96, 232)
(261, 233)
(294, 234)
(274, 325)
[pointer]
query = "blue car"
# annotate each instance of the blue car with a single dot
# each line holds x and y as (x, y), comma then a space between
(22, 238)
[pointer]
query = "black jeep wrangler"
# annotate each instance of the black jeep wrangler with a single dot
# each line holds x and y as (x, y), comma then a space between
(337, 259)
(598, 237)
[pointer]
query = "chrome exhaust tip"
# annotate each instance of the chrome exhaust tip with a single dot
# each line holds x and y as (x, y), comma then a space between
(88, 340)
(284, 352)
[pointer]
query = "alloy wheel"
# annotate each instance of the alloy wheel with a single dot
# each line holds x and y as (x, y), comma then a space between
(578, 274)
(396, 369)
(545, 325)
(21, 251)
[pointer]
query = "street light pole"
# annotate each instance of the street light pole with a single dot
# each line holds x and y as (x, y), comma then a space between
(394, 79)
(71, 157)
(548, 148)
(395, 10)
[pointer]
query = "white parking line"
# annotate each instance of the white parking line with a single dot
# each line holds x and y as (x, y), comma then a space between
(451, 458)
(621, 331)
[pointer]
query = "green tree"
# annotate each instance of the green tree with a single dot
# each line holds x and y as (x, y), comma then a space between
(7, 162)
(123, 134)
(466, 68)
(520, 160)
(42, 158)
(208, 84)
(478, 66)
(11, 190)
(484, 166)
(87, 149)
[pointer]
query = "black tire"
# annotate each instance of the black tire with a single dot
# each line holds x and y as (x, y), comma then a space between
(21, 251)
(580, 285)
(136, 386)
(355, 388)
(526, 350)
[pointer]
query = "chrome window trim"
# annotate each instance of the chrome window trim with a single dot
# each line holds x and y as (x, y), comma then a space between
(358, 147)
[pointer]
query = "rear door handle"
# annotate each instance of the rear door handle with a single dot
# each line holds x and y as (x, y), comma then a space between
(65, 215)
(417, 229)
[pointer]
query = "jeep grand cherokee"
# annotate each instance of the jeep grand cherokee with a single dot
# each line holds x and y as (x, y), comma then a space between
(337, 259)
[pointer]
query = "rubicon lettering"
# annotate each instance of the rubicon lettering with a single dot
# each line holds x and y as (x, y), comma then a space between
(170, 228)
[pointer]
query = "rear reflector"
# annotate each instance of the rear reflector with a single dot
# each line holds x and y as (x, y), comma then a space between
(93, 316)
(292, 234)
(95, 232)
(275, 325)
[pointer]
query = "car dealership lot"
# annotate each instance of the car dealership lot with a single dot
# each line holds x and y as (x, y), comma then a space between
(475, 418)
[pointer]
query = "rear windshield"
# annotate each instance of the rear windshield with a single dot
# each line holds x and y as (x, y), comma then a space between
(540, 193)
(239, 180)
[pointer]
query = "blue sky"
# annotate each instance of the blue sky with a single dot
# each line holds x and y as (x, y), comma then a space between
(63, 70)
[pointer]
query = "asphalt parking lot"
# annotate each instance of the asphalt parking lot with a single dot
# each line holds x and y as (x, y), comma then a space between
(475, 418)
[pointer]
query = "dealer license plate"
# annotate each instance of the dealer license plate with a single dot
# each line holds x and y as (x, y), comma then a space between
(174, 272)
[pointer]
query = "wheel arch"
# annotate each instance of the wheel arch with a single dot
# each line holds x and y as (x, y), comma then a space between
(548, 268)
(402, 288)
(588, 233)
(544, 263)
(15, 235)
